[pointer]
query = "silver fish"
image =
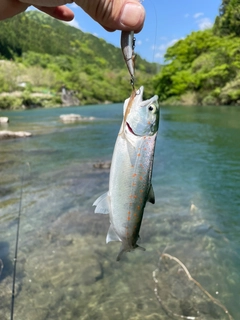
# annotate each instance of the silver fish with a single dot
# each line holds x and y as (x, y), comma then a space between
(131, 172)
(127, 46)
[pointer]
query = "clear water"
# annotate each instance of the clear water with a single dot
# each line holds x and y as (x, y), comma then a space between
(65, 270)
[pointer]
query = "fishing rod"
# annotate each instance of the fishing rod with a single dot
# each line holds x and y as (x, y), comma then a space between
(1, 267)
(16, 247)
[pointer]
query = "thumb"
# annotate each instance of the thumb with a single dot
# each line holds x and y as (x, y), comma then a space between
(114, 15)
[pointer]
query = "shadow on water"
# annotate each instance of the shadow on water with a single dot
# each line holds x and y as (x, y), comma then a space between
(6, 266)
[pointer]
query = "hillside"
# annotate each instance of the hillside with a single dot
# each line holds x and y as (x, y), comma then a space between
(46, 54)
(204, 68)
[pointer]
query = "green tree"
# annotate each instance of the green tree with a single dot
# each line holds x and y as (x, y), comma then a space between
(228, 21)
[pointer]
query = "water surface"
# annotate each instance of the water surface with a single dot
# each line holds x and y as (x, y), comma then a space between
(66, 271)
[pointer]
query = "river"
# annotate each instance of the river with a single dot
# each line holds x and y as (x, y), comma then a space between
(65, 270)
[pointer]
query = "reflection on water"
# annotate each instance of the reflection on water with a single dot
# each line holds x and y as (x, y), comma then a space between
(66, 271)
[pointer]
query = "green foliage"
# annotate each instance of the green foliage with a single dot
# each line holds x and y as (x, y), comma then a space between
(228, 22)
(38, 33)
(9, 102)
(47, 54)
(203, 63)
(28, 100)
(209, 100)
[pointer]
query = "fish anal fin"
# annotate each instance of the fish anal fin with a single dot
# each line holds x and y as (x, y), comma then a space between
(102, 204)
(151, 196)
(111, 235)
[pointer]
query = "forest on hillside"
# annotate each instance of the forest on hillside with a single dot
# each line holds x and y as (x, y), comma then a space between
(204, 68)
(46, 54)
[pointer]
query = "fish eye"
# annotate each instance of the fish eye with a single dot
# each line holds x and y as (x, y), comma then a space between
(151, 108)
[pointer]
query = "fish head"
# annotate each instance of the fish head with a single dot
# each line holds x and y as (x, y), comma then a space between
(143, 117)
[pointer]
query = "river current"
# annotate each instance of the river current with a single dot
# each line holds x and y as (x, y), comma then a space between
(65, 270)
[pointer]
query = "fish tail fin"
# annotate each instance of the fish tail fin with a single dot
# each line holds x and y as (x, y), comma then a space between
(123, 249)
(140, 248)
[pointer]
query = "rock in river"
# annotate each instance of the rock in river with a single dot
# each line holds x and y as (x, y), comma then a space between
(6, 134)
(74, 117)
(4, 120)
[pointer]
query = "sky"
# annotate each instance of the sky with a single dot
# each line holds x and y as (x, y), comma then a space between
(167, 21)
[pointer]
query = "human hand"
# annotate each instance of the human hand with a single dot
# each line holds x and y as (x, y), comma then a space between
(113, 15)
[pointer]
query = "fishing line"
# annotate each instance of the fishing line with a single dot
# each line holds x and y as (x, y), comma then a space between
(155, 33)
(156, 28)
(1, 267)
(16, 243)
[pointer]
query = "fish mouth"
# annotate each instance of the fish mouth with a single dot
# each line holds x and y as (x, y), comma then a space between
(130, 129)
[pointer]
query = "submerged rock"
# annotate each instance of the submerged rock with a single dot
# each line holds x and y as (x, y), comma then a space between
(4, 120)
(6, 134)
(102, 165)
(74, 117)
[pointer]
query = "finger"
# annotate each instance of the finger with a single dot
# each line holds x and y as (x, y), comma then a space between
(46, 3)
(10, 8)
(113, 15)
(60, 12)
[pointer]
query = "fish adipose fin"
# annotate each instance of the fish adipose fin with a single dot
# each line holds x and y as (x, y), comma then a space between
(102, 204)
(151, 196)
(112, 236)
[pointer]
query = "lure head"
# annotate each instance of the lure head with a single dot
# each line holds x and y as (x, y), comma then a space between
(143, 117)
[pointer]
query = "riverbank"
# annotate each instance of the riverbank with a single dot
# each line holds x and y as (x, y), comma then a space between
(25, 100)
(18, 100)
(195, 99)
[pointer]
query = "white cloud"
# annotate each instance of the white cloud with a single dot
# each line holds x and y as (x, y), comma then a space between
(95, 34)
(197, 15)
(186, 15)
(74, 23)
(160, 50)
(159, 55)
(138, 42)
(204, 23)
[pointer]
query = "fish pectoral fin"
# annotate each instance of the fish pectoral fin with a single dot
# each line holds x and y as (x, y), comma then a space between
(102, 204)
(112, 236)
(131, 152)
(151, 196)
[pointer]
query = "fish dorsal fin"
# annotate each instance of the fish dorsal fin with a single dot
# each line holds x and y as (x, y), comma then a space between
(102, 204)
(112, 236)
(151, 196)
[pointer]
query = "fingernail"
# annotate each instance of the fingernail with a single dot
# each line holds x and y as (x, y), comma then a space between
(132, 15)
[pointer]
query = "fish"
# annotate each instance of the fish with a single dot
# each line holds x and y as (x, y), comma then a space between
(130, 186)
(127, 46)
